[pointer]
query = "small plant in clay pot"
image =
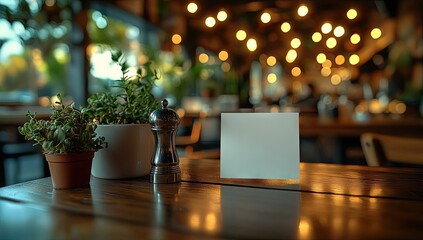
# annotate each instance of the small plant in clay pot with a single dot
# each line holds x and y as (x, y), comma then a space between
(68, 141)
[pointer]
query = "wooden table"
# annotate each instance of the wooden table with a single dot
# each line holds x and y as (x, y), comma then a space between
(329, 202)
(312, 126)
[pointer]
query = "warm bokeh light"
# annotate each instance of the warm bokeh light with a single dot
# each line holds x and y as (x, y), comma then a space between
(326, 28)
(265, 17)
(285, 27)
(241, 35)
(339, 31)
(222, 15)
(271, 61)
(352, 14)
(325, 72)
(375, 106)
(192, 7)
(302, 10)
(44, 101)
(271, 78)
(223, 55)
(252, 44)
(203, 58)
(296, 71)
(397, 107)
(327, 63)
(344, 73)
(316, 37)
(176, 39)
(321, 58)
(304, 228)
(331, 42)
(355, 38)
(210, 22)
(354, 59)
(295, 43)
(335, 79)
(291, 55)
(225, 67)
(340, 60)
(376, 33)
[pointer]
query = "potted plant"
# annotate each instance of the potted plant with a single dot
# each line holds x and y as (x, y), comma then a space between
(68, 141)
(122, 118)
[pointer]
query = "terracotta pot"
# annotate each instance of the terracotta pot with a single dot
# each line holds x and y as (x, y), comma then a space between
(70, 170)
(128, 152)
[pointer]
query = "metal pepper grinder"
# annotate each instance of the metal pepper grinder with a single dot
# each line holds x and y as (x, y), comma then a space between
(165, 162)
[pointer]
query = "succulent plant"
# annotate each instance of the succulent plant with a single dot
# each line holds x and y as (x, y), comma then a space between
(67, 131)
(134, 101)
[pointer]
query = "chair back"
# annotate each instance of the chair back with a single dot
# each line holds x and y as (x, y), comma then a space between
(381, 150)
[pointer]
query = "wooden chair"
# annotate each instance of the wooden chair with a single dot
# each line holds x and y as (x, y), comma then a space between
(191, 140)
(385, 150)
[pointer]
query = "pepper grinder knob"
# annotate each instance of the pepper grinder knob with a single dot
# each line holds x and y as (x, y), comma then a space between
(165, 162)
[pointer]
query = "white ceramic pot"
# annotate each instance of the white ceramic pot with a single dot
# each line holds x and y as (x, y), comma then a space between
(128, 153)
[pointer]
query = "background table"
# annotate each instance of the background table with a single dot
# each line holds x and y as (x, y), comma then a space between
(329, 202)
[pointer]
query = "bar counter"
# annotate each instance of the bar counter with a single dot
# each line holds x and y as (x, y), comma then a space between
(328, 202)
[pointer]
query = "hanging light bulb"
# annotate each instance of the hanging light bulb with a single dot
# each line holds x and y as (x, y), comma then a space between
(222, 15)
(302, 10)
(192, 7)
(210, 22)
(252, 44)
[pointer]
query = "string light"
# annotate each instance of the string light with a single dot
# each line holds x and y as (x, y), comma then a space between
(327, 63)
(295, 43)
(355, 38)
(339, 31)
(271, 61)
(321, 57)
(376, 33)
(241, 35)
(210, 22)
(326, 28)
(203, 58)
(252, 44)
(265, 17)
(339, 60)
(331, 42)
(285, 27)
(176, 39)
(291, 55)
(192, 7)
(335, 79)
(223, 55)
(325, 71)
(296, 71)
(222, 15)
(354, 59)
(316, 37)
(271, 78)
(302, 10)
(352, 14)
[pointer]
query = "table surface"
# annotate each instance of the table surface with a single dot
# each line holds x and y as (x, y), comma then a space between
(328, 202)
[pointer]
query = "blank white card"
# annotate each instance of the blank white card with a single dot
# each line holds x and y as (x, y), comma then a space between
(260, 145)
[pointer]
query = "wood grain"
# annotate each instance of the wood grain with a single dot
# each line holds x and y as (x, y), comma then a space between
(204, 206)
(350, 180)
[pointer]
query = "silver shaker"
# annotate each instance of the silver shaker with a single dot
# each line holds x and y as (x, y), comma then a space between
(165, 162)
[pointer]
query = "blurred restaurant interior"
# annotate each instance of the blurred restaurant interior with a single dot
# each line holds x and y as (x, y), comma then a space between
(348, 67)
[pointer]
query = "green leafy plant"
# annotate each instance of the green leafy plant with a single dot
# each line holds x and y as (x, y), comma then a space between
(67, 131)
(132, 103)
